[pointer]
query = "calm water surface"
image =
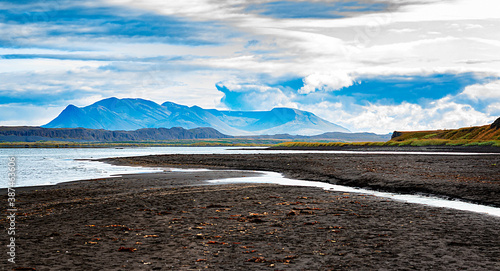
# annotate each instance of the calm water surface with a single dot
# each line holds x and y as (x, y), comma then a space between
(50, 166)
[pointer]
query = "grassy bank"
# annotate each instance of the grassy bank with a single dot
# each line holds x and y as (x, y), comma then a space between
(485, 133)
(480, 136)
(409, 142)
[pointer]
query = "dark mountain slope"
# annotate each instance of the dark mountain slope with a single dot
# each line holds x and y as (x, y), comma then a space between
(81, 134)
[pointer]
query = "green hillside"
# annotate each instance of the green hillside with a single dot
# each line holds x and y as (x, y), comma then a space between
(487, 135)
(479, 135)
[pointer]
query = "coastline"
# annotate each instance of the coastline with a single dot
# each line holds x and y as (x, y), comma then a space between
(364, 146)
(474, 179)
(430, 148)
(173, 221)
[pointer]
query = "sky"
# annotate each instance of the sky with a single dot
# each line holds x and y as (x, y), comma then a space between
(368, 65)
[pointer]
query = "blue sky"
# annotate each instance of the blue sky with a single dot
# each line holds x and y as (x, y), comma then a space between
(368, 65)
(314, 10)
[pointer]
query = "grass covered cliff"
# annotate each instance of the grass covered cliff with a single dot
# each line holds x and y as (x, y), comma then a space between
(479, 136)
(474, 136)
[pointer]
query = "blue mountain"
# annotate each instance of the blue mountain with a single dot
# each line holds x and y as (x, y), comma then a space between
(133, 114)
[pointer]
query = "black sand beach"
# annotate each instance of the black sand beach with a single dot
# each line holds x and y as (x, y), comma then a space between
(474, 178)
(173, 221)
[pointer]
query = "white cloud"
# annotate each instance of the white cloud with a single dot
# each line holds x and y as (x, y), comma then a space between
(81, 86)
(42, 65)
(443, 114)
(493, 109)
(325, 82)
(308, 46)
(270, 99)
(473, 26)
(27, 115)
(254, 97)
(450, 11)
(195, 9)
(327, 54)
(490, 91)
(447, 113)
(402, 30)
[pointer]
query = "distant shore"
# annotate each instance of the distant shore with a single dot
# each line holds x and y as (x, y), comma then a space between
(376, 147)
(71, 145)
(465, 149)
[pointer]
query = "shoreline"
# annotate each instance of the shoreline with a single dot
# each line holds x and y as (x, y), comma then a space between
(193, 177)
(436, 148)
(240, 175)
(173, 221)
(364, 148)
(474, 179)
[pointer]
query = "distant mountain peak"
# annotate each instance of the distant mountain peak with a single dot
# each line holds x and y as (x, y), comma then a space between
(71, 107)
(134, 113)
(287, 109)
(107, 101)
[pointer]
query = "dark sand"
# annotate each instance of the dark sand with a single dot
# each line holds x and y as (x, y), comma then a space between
(473, 178)
(172, 221)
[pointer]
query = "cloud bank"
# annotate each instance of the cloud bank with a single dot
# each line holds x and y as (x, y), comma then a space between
(378, 65)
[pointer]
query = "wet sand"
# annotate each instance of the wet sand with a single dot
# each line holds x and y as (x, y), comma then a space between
(174, 221)
(472, 178)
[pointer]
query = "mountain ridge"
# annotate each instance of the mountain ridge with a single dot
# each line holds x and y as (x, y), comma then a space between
(132, 114)
(33, 133)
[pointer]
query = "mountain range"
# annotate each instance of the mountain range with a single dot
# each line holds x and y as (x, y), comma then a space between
(35, 134)
(133, 114)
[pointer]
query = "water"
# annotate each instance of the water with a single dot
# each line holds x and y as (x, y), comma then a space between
(277, 178)
(51, 166)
